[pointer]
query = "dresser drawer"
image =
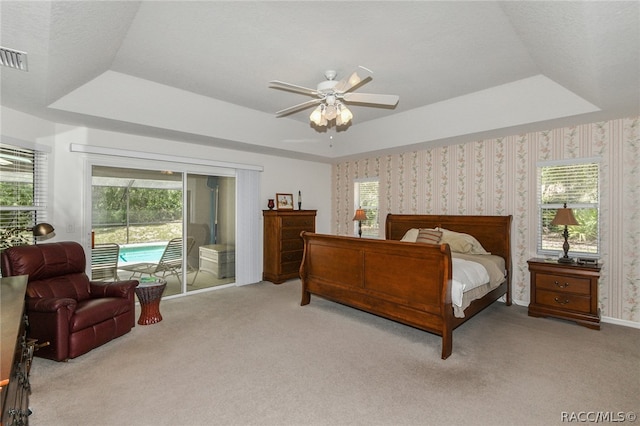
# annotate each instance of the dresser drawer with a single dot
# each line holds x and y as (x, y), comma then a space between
(291, 233)
(291, 267)
(291, 256)
(292, 244)
(557, 299)
(563, 284)
(301, 222)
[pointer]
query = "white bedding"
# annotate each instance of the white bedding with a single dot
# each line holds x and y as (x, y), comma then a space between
(474, 275)
(467, 275)
(475, 271)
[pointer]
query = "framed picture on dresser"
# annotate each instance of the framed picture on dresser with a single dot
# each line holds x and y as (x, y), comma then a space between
(284, 201)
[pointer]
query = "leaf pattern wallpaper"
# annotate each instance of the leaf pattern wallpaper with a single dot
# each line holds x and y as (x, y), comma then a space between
(499, 177)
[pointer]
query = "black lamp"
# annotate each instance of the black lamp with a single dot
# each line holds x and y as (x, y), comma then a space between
(360, 216)
(564, 216)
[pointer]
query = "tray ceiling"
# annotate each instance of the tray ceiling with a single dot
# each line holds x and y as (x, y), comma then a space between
(199, 71)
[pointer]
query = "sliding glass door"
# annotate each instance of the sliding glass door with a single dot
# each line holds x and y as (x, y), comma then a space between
(166, 224)
(211, 224)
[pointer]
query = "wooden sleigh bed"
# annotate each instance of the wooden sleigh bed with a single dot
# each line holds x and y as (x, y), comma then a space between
(404, 281)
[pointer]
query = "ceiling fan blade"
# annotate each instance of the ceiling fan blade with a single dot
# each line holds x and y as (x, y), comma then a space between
(298, 107)
(292, 87)
(370, 98)
(356, 78)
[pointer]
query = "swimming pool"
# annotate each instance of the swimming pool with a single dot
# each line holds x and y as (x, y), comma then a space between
(139, 253)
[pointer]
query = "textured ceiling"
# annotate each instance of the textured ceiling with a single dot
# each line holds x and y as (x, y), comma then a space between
(428, 53)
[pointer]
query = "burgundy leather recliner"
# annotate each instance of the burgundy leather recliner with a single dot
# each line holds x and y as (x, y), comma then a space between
(63, 307)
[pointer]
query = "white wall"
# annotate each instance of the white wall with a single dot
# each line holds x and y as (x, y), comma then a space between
(69, 169)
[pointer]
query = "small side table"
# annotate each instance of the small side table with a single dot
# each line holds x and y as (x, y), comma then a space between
(149, 295)
(566, 291)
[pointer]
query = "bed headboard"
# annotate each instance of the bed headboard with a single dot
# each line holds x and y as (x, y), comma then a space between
(493, 232)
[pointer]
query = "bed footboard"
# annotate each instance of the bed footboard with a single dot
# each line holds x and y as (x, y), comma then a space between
(408, 283)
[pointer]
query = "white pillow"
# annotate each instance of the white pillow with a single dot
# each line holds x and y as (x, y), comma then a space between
(411, 235)
(461, 243)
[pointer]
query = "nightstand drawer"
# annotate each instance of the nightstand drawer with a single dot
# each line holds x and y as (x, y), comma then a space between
(557, 299)
(563, 284)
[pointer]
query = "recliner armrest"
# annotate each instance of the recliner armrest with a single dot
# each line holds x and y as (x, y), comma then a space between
(112, 289)
(50, 304)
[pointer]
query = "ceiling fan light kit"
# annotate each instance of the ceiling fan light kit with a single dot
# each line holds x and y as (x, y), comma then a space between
(331, 97)
(333, 109)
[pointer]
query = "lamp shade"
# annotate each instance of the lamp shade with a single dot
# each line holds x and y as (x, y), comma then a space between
(316, 115)
(42, 229)
(360, 215)
(564, 216)
(331, 110)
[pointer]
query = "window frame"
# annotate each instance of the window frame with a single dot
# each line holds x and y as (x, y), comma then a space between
(357, 203)
(573, 205)
(17, 216)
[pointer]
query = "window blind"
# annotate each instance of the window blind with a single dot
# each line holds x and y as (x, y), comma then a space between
(248, 228)
(23, 189)
(576, 183)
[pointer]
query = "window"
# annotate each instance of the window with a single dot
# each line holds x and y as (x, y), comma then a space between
(23, 193)
(575, 183)
(366, 198)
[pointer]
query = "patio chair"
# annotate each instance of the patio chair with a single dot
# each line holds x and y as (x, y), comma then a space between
(104, 262)
(170, 262)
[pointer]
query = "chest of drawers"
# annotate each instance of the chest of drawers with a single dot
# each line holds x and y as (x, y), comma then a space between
(283, 245)
(566, 291)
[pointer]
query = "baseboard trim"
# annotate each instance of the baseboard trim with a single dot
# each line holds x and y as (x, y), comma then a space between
(608, 320)
(617, 321)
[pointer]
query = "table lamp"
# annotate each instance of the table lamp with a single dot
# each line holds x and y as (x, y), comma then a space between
(360, 216)
(564, 216)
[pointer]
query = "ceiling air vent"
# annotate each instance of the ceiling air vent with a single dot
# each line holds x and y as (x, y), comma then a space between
(13, 58)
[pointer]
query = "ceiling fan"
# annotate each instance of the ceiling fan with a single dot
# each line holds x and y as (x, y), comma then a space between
(331, 96)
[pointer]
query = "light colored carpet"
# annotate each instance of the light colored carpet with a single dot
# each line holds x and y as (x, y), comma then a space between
(253, 356)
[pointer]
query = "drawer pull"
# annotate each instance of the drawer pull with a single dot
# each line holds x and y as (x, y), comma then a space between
(565, 285)
(557, 299)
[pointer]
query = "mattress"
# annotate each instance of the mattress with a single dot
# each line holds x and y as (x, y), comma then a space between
(474, 275)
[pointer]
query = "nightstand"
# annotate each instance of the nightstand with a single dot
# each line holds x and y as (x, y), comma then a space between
(566, 291)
